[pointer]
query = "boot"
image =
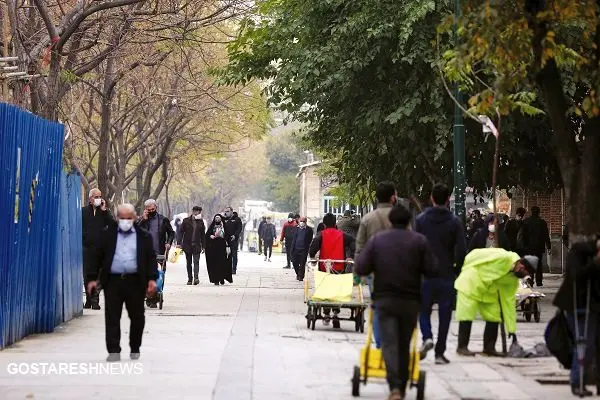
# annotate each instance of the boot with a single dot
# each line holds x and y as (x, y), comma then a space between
(490, 336)
(464, 335)
(581, 393)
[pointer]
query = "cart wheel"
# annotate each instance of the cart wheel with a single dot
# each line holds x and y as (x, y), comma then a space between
(537, 312)
(356, 382)
(308, 317)
(421, 385)
(357, 321)
(362, 321)
(160, 301)
(313, 321)
(527, 311)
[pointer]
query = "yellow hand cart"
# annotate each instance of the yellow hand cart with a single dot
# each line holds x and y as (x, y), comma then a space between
(371, 365)
(332, 290)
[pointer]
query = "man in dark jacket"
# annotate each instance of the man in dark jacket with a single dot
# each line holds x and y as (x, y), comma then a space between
(191, 239)
(486, 237)
(536, 239)
(583, 277)
(445, 234)
(399, 258)
(349, 223)
(162, 234)
(259, 231)
(300, 246)
(158, 226)
(95, 218)
(233, 229)
(287, 235)
(513, 226)
(476, 224)
(125, 266)
(269, 235)
(332, 244)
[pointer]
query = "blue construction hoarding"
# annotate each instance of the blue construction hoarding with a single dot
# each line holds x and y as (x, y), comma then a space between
(40, 228)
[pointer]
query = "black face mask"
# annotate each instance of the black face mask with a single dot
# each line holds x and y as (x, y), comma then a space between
(520, 274)
(152, 214)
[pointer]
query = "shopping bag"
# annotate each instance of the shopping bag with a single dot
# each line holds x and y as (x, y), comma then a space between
(559, 339)
(175, 255)
(333, 287)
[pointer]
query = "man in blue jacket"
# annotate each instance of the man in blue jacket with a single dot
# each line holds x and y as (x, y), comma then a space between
(446, 237)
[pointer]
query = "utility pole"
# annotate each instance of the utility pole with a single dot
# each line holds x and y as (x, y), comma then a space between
(459, 142)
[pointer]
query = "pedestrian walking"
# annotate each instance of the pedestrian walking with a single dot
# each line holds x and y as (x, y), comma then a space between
(536, 239)
(486, 236)
(445, 234)
(95, 218)
(269, 236)
(349, 223)
(371, 224)
(487, 285)
(287, 235)
(160, 230)
(475, 225)
(303, 236)
(398, 258)
(242, 233)
(233, 229)
(192, 236)
(177, 224)
(513, 227)
(218, 251)
(582, 287)
(260, 230)
(126, 268)
(332, 244)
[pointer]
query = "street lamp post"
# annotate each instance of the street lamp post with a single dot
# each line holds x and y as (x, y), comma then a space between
(459, 143)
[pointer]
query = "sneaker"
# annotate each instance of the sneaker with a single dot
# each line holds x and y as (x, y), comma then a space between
(441, 360)
(581, 393)
(189, 282)
(269, 260)
(287, 267)
(87, 305)
(95, 306)
(113, 357)
(465, 352)
(135, 356)
(427, 346)
(196, 281)
(265, 258)
(491, 353)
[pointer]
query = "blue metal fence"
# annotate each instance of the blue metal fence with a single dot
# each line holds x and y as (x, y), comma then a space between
(37, 267)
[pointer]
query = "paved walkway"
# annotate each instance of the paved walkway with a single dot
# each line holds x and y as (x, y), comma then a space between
(247, 341)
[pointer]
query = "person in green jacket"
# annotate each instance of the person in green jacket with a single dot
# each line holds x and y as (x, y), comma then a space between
(489, 280)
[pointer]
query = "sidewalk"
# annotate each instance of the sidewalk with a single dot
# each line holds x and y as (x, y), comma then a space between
(248, 341)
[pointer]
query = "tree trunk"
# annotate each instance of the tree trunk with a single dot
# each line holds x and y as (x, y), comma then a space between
(104, 139)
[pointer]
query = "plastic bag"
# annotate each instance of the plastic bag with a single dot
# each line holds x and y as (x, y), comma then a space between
(333, 287)
(559, 339)
(175, 255)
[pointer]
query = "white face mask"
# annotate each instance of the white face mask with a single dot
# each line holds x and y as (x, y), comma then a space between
(302, 224)
(290, 219)
(199, 216)
(97, 202)
(492, 228)
(125, 224)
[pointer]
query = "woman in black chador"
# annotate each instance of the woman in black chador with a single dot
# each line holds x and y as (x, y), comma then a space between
(218, 261)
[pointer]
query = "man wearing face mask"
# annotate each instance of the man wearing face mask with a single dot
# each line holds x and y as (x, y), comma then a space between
(191, 240)
(160, 229)
(126, 268)
(513, 227)
(233, 229)
(287, 234)
(95, 217)
(485, 237)
(300, 246)
(487, 285)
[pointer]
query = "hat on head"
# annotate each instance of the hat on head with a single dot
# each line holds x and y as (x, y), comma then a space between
(531, 262)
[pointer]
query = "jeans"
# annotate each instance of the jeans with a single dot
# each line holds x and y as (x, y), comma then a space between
(299, 260)
(396, 331)
(376, 329)
(195, 257)
(441, 289)
(234, 257)
(590, 342)
(268, 249)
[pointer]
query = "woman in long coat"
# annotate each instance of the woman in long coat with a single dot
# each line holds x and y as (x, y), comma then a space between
(218, 261)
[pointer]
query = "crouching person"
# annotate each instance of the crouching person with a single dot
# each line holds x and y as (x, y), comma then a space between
(398, 258)
(487, 285)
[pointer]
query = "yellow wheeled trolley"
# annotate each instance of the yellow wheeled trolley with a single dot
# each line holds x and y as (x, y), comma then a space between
(332, 290)
(371, 365)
